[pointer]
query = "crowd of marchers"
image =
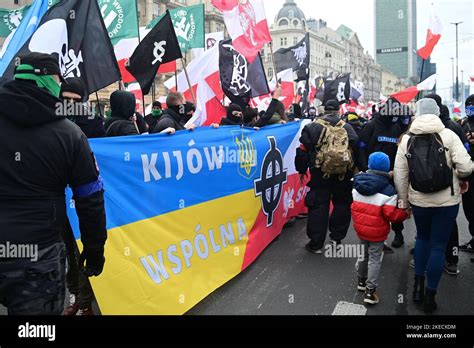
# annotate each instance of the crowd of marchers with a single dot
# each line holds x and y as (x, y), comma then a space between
(376, 171)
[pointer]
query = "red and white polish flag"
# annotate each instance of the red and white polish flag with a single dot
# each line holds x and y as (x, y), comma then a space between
(285, 78)
(407, 95)
(247, 25)
(433, 36)
(205, 81)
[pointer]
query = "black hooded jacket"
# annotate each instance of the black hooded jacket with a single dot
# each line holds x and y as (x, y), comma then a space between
(309, 137)
(93, 127)
(468, 128)
(169, 119)
(123, 106)
(454, 126)
(380, 134)
(42, 153)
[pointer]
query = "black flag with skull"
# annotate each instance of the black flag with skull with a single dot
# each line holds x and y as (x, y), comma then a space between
(338, 89)
(241, 80)
(75, 33)
(295, 58)
(158, 47)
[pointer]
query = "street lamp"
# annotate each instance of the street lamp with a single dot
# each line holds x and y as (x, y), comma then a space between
(452, 63)
(457, 60)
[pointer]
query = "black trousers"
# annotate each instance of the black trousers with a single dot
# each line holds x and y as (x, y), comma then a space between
(34, 287)
(318, 201)
(77, 282)
(468, 206)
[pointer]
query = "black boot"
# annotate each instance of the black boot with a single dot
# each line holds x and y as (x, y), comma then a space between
(398, 241)
(429, 303)
(419, 289)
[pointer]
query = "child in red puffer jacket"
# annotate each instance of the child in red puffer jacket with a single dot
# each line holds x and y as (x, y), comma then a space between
(373, 209)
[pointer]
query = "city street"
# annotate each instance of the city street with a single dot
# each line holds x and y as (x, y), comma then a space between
(287, 279)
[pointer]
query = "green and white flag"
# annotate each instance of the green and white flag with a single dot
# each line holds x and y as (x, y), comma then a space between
(188, 25)
(121, 21)
(10, 19)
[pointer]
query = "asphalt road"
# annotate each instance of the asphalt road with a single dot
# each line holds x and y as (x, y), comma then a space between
(286, 279)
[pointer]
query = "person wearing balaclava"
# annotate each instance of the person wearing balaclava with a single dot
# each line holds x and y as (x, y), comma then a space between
(382, 134)
(73, 92)
(121, 121)
(190, 109)
(156, 112)
(234, 116)
(326, 189)
(173, 117)
(406, 119)
(468, 197)
(41, 153)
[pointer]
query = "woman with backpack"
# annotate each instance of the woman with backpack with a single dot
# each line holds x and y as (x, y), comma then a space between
(430, 164)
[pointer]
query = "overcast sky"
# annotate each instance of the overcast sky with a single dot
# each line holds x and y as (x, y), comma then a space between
(359, 16)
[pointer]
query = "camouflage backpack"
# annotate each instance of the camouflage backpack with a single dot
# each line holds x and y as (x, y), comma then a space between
(333, 154)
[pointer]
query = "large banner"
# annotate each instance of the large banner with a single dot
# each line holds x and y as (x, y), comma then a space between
(187, 213)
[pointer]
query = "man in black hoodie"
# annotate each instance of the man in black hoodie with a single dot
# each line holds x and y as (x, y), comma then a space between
(156, 112)
(468, 197)
(122, 120)
(173, 117)
(72, 93)
(41, 153)
(382, 135)
(234, 116)
(325, 190)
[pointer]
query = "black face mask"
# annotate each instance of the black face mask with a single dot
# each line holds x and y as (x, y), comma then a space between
(179, 109)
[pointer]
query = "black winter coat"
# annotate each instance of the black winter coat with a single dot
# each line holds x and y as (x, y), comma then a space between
(40, 154)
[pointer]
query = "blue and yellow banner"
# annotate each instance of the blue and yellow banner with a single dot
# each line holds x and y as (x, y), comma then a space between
(188, 212)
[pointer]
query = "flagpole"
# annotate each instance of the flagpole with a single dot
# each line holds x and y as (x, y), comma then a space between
(98, 103)
(152, 92)
(274, 63)
(189, 81)
(421, 76)
(176, 77)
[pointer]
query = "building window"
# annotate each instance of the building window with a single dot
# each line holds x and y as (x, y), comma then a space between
(296, 22)
(283, 41)
(283, 22)
(16, 2)
(295, 40)
(156, 10)
(218, 27)
(270, 73)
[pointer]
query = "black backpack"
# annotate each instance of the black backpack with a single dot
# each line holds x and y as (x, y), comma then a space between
(429, 170)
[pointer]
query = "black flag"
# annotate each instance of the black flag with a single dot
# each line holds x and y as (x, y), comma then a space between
(75, 32)
(319, 82)
(158, 47)
(241, 80)
(295, 58)
(338, 89)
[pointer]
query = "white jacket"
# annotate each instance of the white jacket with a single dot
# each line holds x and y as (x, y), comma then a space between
(456, 155)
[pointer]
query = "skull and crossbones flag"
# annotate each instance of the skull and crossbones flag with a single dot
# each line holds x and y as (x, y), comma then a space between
(240, 79)
(338, 89)
(158, 47)
(75, 33)
(295, 58)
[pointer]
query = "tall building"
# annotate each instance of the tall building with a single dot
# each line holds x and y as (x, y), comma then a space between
(332, 51)
(396, 38)
(290, 26)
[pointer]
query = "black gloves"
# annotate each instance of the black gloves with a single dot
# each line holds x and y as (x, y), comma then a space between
(94, 262)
